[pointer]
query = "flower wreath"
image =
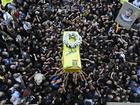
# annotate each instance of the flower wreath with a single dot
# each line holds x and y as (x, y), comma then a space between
(68, 43)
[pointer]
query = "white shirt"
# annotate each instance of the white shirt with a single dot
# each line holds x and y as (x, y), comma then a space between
(136, 3)
(15, 99)
(7, 18)
(18, 79)
(18, 38)
(11, 6)
(27, 25)
(89, 101)
(122, 55)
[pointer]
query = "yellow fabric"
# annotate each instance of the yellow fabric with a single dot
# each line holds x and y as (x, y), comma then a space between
(71, 57)
(1, 77)
(123, 1)
(4, 2)
(85, 13)
(117, 27)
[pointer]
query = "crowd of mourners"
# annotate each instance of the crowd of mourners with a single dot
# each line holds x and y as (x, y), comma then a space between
(31, 49)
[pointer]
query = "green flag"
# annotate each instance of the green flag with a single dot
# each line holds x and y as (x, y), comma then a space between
(122, 1)
(4, 2)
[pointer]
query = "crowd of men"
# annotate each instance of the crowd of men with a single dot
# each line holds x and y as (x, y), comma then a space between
(31, 50)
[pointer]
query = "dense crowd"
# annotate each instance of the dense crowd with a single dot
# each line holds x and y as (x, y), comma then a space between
(31, 50)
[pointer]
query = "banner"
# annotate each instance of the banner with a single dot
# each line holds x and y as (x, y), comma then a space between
(127, 15)
(71, 57)
(4, 2)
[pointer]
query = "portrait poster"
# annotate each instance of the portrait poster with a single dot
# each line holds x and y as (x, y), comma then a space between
(127, 15)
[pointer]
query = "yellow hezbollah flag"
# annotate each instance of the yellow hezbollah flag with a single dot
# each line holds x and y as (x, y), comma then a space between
(1, 77)
(123, 1)
(4, 2)
(71, 57)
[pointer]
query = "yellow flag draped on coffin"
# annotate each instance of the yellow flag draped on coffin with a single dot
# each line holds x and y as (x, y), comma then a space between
(71, 56)
(4, 2)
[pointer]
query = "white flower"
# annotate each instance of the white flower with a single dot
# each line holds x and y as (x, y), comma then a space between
(68, 43)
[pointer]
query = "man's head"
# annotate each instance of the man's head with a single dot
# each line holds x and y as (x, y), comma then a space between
(39, 78)
(128, 12)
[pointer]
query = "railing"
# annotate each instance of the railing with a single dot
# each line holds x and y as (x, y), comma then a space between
(23, 104)
(122, 103)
